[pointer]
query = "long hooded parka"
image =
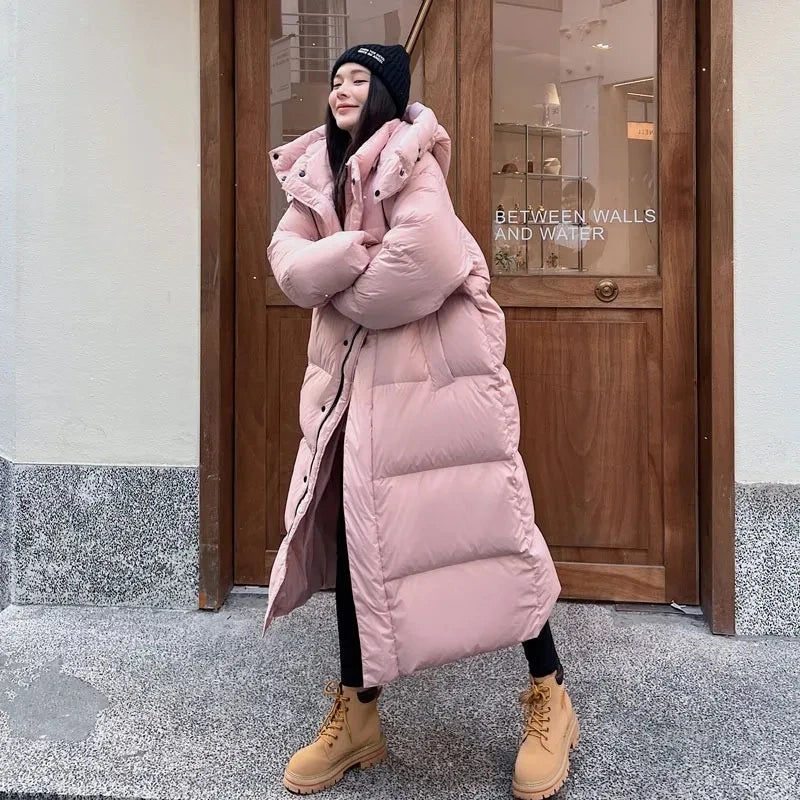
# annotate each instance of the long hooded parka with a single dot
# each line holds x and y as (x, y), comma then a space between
(445, 557)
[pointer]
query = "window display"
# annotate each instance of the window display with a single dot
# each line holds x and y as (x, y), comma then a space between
(527, 238)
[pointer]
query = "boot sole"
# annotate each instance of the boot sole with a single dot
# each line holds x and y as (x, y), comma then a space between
(525, 793)
(365, 757)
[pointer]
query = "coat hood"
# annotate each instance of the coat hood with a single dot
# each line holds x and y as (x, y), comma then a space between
(392, 150)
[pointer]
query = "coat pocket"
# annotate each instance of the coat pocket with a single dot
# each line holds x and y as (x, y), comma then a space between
(431, 338)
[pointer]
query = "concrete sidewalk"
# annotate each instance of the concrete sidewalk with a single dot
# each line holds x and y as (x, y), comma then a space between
(142, 703)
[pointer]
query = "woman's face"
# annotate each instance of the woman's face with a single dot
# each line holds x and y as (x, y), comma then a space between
(348, 95)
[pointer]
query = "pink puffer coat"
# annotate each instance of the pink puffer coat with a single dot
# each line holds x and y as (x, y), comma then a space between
(445, 557)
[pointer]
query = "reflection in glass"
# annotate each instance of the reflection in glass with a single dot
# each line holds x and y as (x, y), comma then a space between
(574, 138)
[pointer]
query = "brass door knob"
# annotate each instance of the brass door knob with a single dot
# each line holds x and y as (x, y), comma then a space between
(606, 290)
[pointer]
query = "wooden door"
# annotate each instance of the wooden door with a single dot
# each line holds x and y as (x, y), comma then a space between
(606, 386)
(601, 333)
(287, 49)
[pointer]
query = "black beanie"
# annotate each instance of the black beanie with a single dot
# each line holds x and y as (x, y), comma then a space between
(390, 62)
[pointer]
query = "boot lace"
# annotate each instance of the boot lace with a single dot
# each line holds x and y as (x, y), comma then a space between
(338, 713)
(535, 703)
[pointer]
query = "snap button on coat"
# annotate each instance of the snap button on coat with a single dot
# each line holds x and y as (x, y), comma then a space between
(446, 558)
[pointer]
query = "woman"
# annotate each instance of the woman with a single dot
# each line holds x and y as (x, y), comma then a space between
(408, 492)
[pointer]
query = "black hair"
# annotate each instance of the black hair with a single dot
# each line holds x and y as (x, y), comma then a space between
(377, 110)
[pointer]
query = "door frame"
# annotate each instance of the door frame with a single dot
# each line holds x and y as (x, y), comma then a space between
(220, 291)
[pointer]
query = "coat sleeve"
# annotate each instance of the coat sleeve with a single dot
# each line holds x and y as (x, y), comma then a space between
(422, 261)
(310, 269)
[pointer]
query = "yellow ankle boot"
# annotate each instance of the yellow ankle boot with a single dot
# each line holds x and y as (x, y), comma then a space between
(550, 732)
(351, 734)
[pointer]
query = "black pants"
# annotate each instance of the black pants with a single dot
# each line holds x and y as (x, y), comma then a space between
(540, 652)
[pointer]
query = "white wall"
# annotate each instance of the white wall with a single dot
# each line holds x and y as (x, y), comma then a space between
(106, 165)
(766, 176)
(8, 158)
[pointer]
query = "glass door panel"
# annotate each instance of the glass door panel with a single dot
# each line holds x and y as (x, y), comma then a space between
(574, 161)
